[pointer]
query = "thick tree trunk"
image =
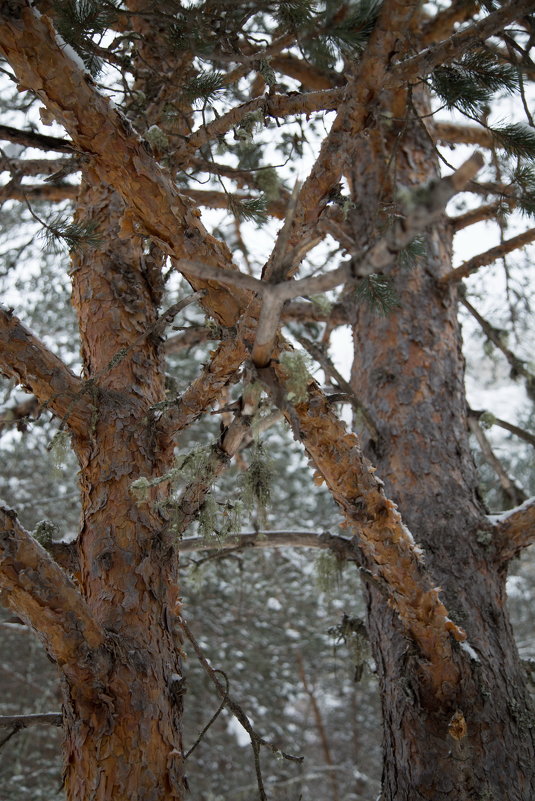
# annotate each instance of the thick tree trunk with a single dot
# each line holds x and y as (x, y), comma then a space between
(474, 740)
(123, 739)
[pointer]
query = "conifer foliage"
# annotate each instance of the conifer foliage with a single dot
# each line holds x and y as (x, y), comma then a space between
(223, 180)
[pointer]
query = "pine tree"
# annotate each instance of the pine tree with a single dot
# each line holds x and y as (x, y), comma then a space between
(162, 110)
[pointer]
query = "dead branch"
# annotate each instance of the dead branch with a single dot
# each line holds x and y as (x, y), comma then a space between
(232, 705)
(518, 367)
(512, 491)
(488, 257)
(343, 547)
(25, 721)
(487, 212)
(514, 530)
(39, 166)
(518, 432)
(422, 208)
(52, 192)
(37, 140)
(26, 359)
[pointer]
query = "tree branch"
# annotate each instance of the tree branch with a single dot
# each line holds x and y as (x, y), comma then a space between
(26, 359)
(487, 212)
(271, 106)
(443, 52)
(120, 158)
(39, 166)
(24, 721)
(518, 367)
(488, 257)
(323, 360)
(39, 591)
(454, 133)
(518, 432)
(514, 530)
(422, 206)
(51, 192)
(37, 140)
(387, 547)
(510, 489)
(342, 547)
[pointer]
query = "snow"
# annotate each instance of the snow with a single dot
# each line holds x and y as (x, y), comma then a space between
(235, 728)
(497, 519)
(467, 648)
(71, 53)
(274, 604)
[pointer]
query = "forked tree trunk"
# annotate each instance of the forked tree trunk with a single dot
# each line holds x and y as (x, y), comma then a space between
(473, 741)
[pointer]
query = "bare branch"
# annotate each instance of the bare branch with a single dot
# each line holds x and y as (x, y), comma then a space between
(487, 212)
(514, 530)
(342, 547)
(271, 106)
(454, 133)
(26, 359)
(37, 140)
(39, 591)
(39, 166)
(488, 257)
(422, 208)
(52, 192)
(232, 705)
(518, 432)
(515, 494)
(518, 367)
(445, 51)
(24, 721)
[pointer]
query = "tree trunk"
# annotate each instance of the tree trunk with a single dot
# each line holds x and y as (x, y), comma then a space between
(123, 740)
(474, 740)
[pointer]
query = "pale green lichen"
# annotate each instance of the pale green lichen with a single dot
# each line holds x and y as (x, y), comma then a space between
(296, 366)
(257, 482)
(328, 572)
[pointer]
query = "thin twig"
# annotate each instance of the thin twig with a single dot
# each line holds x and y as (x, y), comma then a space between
(214, 716)
(230, 703)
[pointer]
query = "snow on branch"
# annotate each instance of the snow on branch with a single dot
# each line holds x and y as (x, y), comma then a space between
(26, 359)
(34, 586)
(514, 530)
